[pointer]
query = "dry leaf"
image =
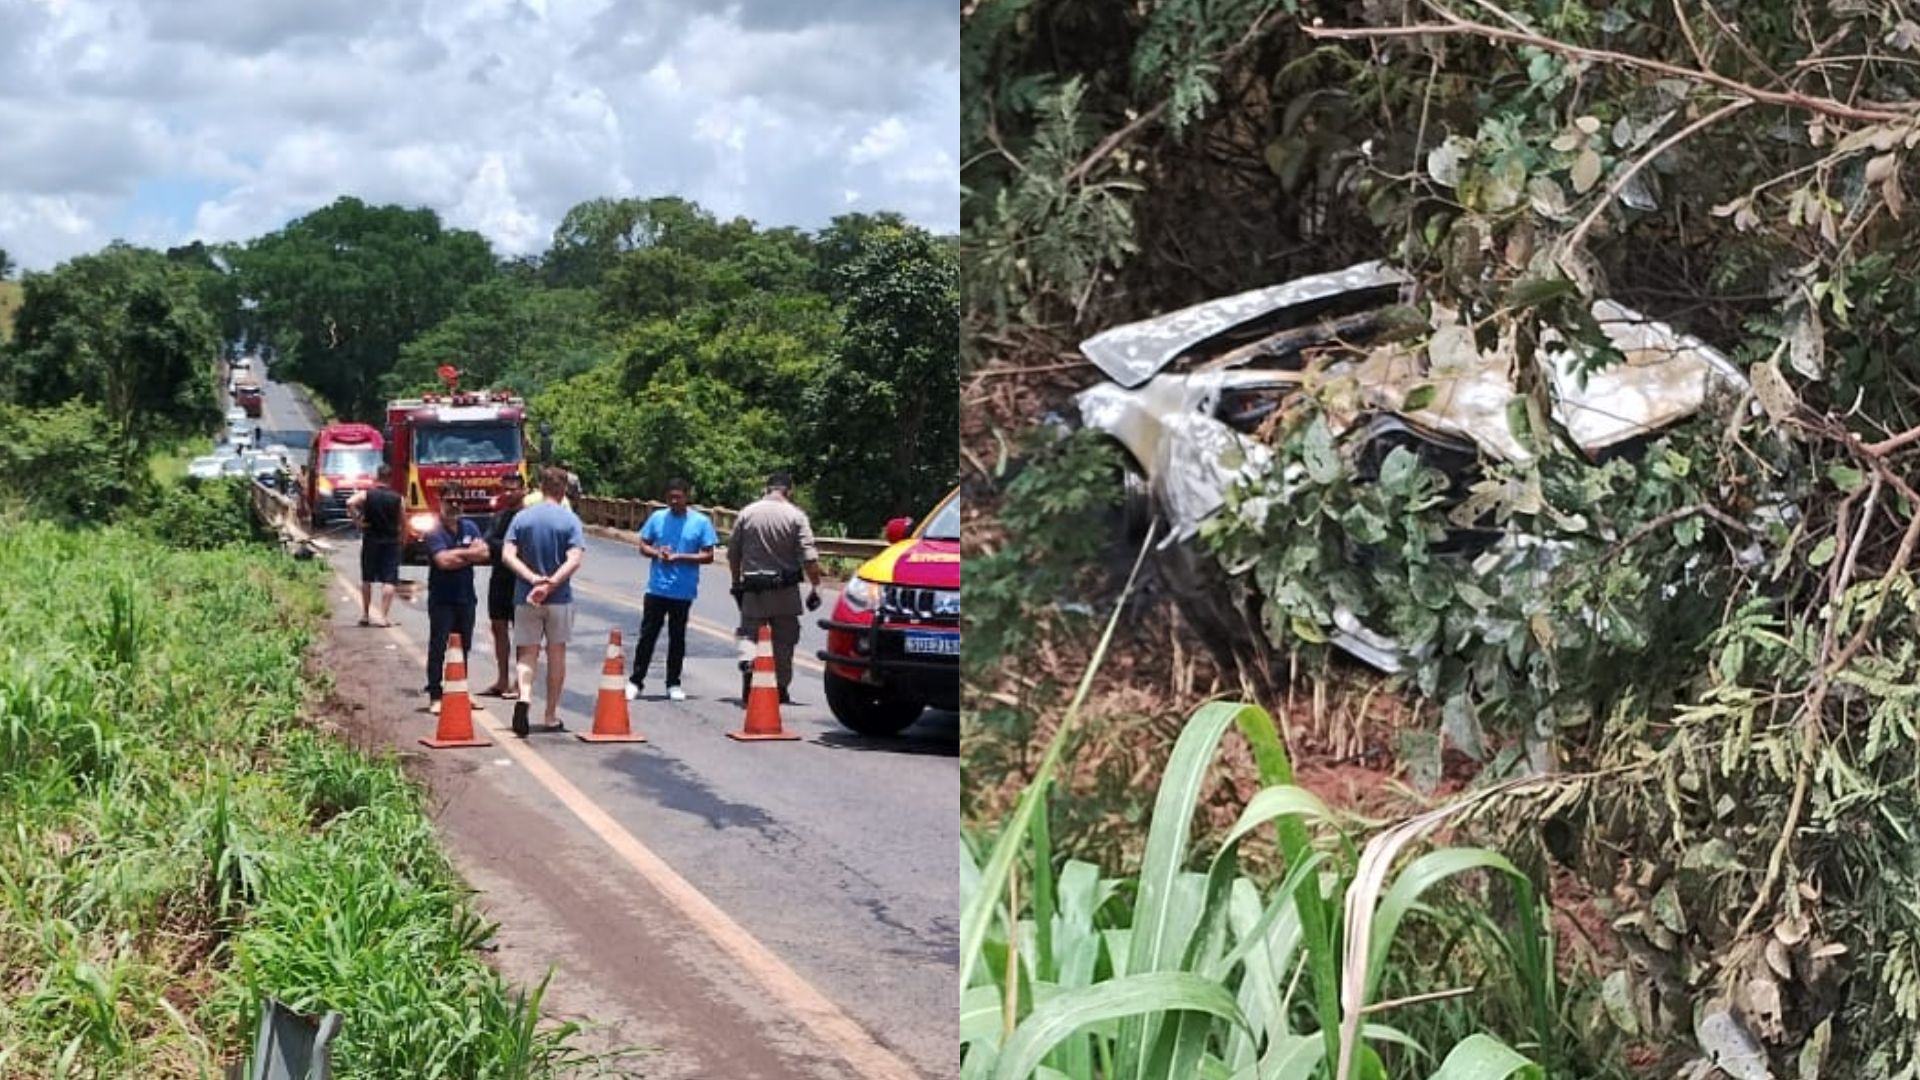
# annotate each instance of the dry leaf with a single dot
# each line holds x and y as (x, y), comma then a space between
(1780, 402)
(1806, 344)
(1586, 171)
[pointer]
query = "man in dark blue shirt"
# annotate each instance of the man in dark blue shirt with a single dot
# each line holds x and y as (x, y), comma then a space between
(454, 548)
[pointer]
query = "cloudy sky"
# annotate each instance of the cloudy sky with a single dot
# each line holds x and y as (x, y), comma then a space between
(161, 121)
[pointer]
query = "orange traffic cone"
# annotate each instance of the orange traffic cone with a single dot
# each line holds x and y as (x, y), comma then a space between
(610, 722)
(763, 696)
(456, 708)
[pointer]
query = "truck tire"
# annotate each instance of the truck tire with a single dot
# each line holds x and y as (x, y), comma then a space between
(868, 711)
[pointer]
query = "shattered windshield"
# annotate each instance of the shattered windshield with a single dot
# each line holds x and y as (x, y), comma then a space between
(467, 445)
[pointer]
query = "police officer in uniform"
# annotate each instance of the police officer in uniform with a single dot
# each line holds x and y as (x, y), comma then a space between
(769, 550)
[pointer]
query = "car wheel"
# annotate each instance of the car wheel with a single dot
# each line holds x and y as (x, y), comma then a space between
(869, 710)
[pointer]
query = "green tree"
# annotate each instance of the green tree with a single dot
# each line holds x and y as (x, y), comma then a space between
(6, 265)
(883, 417)
(124, 329)
(842, 242)
(69, 462)
(676, 425)
(340, 291)
(507, 332)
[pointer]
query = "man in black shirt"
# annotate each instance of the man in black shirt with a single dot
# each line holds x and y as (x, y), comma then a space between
(377, 511)
(513, 494)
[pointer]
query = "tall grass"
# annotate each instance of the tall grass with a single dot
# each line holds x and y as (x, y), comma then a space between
(176, 845)
(1183, 972)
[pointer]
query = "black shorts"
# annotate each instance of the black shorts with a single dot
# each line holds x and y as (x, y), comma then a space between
(380, 561)
(500, 595)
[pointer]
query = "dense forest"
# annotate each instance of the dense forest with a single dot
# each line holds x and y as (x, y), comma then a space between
(657, 339)
(1694, 741)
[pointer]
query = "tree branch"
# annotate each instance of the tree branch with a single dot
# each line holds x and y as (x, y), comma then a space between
(1870, 112)
(1620, 182)
(1112, 142)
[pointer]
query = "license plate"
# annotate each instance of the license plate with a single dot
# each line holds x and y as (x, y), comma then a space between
(933, 644)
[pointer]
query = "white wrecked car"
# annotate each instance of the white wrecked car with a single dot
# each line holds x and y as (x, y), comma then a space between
(1189, 389)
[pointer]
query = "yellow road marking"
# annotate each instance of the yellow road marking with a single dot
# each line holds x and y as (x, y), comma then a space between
(809, 1006)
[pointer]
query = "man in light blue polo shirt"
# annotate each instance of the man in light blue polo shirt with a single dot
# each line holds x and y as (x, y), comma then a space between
(679, 540)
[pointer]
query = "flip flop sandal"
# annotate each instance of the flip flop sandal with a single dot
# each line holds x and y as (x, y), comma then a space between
(366, 622)
(557, 725)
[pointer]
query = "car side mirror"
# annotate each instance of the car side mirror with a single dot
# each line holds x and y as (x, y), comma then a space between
(898, 528)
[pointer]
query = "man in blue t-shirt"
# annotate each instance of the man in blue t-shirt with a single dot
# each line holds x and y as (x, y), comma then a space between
(544, 547)
(679, 540)
(454, 548)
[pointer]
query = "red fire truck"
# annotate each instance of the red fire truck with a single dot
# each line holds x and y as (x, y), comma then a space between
(340, 462)
(467, 438)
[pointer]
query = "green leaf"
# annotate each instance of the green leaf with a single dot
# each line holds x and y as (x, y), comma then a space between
(1420, 875)
(1845, 477)
(1822, 553)
(1072, 1011)
(1483, 1057)
(1419, 398)
(1400, 473)
(1318, 455)
(1159, 930)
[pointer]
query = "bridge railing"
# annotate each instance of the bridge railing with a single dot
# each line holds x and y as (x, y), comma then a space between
(632, 513)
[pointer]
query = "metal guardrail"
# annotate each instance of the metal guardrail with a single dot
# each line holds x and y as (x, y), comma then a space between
(632, 513)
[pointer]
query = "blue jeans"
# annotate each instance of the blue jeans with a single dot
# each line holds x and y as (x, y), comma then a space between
(442, 620)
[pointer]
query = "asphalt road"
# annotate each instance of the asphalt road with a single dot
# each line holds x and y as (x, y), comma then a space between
(835, 852)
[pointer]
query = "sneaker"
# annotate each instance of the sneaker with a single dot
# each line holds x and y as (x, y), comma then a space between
(633, 691)
(674, 693)
(521, 710)
(434, 706)
(786, 698)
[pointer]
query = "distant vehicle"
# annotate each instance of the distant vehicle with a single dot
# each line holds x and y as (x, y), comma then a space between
(341, 461)
(206, 468)
(893, 643)
(470, 439)
(236, 415)
(247, 394)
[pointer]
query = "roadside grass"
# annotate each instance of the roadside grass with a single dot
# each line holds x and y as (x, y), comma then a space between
(1066, 973)
(178, 844)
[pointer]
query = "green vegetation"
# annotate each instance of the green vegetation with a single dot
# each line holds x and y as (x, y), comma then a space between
(124, 330)
(1721, 699)
(657, 339)
(180, 843)
(1177, 972)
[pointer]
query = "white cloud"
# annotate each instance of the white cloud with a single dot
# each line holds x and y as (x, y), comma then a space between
(169, 120)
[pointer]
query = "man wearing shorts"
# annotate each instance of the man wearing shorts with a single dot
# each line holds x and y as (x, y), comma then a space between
(377, 511)
(544, 548)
